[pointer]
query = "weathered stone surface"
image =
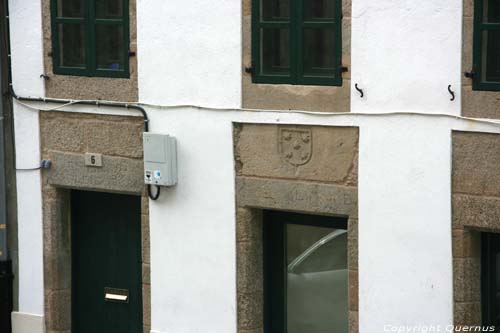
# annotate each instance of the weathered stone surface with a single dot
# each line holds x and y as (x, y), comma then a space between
(352, 253)
(146, 304)
(83, 87)
(145, 242)
(346, 8)
(146, 273)
(257, 330)
(346, 57)
(248, 224)
(467, 52)
(61, 132)
(297, 97)
(145, 204)
(297, 196)
(118, 138)
(57, 244)
(466, 243)
(353, 322)
(250, 310)
(480, 104)
(77, 132)
(467, 314)
(467, 279)
(117, 174)
(352, 228)
(58, 310)
(334, 153)
(476, 211)
(246, 7)
(56, 226)
(353, 291)
(468, 7)
(250, 266)
(476, 163)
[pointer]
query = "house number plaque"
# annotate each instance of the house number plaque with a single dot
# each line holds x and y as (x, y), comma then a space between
(93, 160)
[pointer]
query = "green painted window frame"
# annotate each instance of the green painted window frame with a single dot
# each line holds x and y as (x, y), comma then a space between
(274, 260)
(296, 25)
(490, 247)
(90, 21)
(479, 28)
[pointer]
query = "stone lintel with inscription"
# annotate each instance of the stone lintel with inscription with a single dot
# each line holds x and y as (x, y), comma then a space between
(307, 197)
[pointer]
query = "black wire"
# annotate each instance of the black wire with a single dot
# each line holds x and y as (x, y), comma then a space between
(6, 37)
(150, 194)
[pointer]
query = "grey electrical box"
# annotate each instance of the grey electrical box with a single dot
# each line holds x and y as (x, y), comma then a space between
(160, 159)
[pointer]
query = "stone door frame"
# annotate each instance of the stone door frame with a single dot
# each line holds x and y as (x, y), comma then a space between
(66, 137)
(258, 192)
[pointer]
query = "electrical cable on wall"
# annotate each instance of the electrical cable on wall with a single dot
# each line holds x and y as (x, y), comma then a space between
(21, 99)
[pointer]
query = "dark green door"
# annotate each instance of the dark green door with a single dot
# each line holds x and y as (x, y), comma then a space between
(106, 266)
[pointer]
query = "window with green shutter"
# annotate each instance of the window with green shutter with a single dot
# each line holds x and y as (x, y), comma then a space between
(90, 37)
(297, 42)
(486, 45)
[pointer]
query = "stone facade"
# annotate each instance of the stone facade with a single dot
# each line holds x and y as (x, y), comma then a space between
(83, 87)
(476, 208)
(267, 177)
(296, 97)
(65, 138)
(476, 104)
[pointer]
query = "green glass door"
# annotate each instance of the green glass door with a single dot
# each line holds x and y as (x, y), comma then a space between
(305, 272)
(106, 263)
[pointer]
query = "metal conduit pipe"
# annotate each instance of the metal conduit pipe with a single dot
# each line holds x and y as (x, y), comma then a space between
(153, 196)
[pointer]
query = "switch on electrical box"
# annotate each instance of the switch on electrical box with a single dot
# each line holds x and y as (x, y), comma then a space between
(160, 159)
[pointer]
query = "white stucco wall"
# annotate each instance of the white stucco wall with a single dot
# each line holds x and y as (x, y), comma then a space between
(404, 228)
(404, 55)
(189, 52)
(27, 65)
(405, 259)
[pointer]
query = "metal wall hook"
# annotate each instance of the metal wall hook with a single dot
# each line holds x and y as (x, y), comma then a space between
(360, 90)
(452, 93)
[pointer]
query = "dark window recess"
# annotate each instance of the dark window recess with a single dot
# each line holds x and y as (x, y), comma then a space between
(90, 38)
(305, 273)
(297, 42)
(486, 45)
(490, 286)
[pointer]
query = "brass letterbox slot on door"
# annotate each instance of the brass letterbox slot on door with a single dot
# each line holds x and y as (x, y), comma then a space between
(116, 295)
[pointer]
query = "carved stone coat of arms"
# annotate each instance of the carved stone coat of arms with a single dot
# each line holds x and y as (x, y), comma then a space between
(295, 145)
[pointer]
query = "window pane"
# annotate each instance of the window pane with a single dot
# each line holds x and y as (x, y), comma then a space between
(71, 45)
(109, 8)
(314, 9)
(316, 279)
(275, 51)
(319, 53)
(275, 9)
(70, 8)
(109, 47)
(491, 11)
(491, 55)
